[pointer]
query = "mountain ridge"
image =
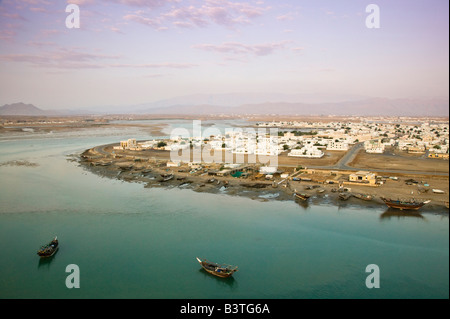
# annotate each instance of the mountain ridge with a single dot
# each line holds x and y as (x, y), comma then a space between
(363, 107)
(366, 107)
(23, 109)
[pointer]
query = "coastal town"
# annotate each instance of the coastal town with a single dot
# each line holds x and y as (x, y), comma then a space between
(371, 158)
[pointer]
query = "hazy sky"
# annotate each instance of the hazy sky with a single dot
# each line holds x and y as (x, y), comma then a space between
(134, 51)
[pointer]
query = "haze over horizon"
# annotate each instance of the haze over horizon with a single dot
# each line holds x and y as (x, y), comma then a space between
(131, 52)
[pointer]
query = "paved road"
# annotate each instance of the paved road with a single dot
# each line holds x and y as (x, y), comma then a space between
(351, 154)
(101, 149)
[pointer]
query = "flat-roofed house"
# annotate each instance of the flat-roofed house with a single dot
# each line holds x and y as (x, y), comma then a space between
(363, 177)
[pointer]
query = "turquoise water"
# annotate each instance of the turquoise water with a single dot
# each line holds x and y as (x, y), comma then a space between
(134, 242)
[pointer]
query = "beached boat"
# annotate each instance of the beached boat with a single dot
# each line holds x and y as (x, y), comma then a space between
(219, 270)
(167, 177)
(344, 196)
(303, 197)
(49, 249)
(404, 205)
(363, 196)
(438, 191)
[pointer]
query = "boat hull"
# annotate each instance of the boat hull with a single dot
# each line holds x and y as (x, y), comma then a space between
(49, 255)
(224, 275)
(216, 269)
(363, 197)
(302, 197)
(402, 205)
(50, 249)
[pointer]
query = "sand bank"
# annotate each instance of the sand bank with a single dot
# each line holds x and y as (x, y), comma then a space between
(150, 168)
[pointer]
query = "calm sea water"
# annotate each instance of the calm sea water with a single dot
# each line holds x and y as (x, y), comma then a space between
(134, 242)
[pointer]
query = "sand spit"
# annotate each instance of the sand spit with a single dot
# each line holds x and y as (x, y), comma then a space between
(322, 186)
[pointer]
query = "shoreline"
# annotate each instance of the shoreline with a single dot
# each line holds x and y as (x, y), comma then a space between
(150, 172)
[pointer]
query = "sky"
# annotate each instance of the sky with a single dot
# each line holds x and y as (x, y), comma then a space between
(129, 52)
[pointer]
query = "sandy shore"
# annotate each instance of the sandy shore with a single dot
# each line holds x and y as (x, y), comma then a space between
(150, 167)
(15, 124)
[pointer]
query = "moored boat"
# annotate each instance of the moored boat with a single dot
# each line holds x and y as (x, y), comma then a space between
(303, 197)
(404, 205)
(344, 196)
(363, 196)
(167, 177)
(49, 249)
(219, 270)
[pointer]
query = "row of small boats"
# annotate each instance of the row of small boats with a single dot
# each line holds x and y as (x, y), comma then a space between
(391, 203)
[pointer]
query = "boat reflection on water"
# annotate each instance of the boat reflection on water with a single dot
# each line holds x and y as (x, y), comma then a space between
(226, 282)
(45, 262)
(303, 204)
(395, 213)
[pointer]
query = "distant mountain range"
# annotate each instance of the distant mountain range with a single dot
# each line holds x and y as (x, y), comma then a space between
(23, 109)
(364, 107)
(238, 99)
(274, 104)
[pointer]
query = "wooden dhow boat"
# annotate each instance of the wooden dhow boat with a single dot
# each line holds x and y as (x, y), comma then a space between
(404, 205)
(49, 249)
(344, 196)
(219, 270)
(303, 197)
(363, 196)
(167, 177)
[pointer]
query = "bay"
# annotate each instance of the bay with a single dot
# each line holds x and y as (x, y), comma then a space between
(136, 242)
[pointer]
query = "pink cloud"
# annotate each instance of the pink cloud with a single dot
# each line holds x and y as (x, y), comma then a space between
(38, 9)
(221, 12)
(155, 65)
(288, 16)
(36, 2)
(7, 35)
(62, 59)
(115, 29)
(132, 3)
(8, 32)
(143, 20)
(73, 59)
(81, 2)
(14, 16)
(244, 49)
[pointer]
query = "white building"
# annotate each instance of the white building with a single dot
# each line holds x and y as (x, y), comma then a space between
(337, 145)
(267, 146)
(130, 144)
(374, 146)
(148, 144)
(268, 169)
(307, 151)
